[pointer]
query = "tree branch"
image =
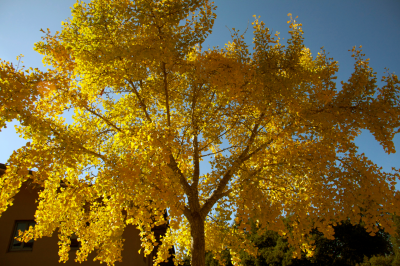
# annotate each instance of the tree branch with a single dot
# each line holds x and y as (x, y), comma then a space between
(81, 147)
(166, 94)
(141, 102)
(196, 158)
(182, 180)
(211, 153)
(103, 118)
(196, 163)
(216, 195)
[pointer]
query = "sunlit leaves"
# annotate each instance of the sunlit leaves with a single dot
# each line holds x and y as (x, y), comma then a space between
(148, 103)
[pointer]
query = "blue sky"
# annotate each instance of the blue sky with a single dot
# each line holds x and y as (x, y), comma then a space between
(335, 25)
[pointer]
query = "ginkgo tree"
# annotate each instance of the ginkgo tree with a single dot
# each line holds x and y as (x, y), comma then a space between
(149, 104)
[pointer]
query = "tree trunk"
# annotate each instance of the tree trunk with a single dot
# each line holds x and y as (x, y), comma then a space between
(198, 247)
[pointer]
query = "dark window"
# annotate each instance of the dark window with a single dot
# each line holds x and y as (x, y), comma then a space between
(75, 244)
(21, 226)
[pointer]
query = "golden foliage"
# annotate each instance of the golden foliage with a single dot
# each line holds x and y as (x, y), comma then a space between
(149, 105)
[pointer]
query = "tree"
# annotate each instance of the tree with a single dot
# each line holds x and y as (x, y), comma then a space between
(273, 249)
(394, 258)
(150, 104)
(225, 259)
(351, 245)
(395, 239)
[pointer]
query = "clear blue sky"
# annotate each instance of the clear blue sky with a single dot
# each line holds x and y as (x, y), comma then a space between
(336, 25)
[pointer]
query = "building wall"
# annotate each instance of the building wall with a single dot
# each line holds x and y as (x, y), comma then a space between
(45, 250)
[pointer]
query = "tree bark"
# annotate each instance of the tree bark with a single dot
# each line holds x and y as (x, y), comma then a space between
(198, 247)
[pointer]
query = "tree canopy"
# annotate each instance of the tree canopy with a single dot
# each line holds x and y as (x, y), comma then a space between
(150, 103)
(352, 246)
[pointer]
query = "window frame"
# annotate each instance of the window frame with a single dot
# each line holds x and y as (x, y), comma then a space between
(22, 248)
